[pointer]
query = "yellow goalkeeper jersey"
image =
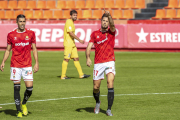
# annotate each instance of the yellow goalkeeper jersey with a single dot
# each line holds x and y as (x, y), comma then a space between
(69, 27)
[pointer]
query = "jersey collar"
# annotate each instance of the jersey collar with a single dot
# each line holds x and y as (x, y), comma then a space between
(20, 32)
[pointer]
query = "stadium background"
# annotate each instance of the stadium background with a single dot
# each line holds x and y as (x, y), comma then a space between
(146, 83)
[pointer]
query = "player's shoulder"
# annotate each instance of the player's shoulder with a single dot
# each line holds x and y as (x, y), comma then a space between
(12, 32)
(29, 31)
(96, 31)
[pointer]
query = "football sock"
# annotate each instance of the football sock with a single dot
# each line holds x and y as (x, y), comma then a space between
(110, 97)
(64, 68)
(17, 96)
(27, 94)
(78, 67)
(96, 96)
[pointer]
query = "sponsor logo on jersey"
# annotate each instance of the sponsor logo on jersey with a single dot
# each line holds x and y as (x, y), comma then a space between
(27, 38)
(21, 44)
(97, 36)
(102, 41)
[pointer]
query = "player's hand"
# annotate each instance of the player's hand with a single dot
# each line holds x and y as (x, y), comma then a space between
(36, 68)
(107, 12)
(2, 66)
(81, 41)
(88, 62)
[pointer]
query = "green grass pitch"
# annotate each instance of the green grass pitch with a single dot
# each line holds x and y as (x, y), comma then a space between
(147, 87)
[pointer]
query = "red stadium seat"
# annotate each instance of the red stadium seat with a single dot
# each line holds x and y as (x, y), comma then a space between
(160, 13)
(47, 14)
(97, 14)
(70, 4)
(89, 4)
(177, 15)
(9, 15)
(79, 14)
(119, 4)
(172, 4)
(66, 14)
(41, 4)
(38, 14)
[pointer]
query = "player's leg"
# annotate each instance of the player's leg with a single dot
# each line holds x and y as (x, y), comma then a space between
(16, 77)
(27, 74)
(110, 73)
(67, 55)
(77, 63)
(98, 75)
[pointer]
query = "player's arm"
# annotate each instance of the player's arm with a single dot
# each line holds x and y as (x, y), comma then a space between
(111, 22)
(6, 55)
(88, 52)
(35, 54)
(75, 37)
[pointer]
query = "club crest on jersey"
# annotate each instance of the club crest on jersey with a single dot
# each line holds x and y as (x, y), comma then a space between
(97, 36)
(15, 38)
(27, 38)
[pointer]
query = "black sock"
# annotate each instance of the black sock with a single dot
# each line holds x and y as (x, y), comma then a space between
(17, 96)
(96, 96)
(27, 94)
(110, 97)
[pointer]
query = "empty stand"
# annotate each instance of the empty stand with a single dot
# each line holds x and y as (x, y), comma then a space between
(117, 14)
(61, 4)
(12, 4)
(57, 14)
(22, 4)
(18, 12)
(9, 14)
(79, 13)
(31, 4)
(99, 4)
(28, 14)
(80, 4)
(139, 4)
(47, 14)
(178, 6)
(119, 4)
(172, 4)
(3, 4)
(41, 4)
(160, 13)
(51, 4)
(66, 14)
(177, 15)
(2, 14)
(70, 4)
(128, 14)
(170, 13)
(129, 4)
(109, 4)
(97, 14)
(86, 14)
(38, 14)
(89, 4)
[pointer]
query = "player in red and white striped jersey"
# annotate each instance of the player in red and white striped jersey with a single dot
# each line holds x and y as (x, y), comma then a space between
(20, 41)
(103, 41)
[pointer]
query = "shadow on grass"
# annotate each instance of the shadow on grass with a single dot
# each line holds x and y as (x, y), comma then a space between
(67, 76)
(90, 110)
(11, 112)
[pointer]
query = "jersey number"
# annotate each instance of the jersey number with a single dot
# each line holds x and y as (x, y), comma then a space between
(95, 72)
(14, 71)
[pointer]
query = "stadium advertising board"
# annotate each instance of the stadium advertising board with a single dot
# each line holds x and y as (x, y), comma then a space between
(51, 35)
(154, 36)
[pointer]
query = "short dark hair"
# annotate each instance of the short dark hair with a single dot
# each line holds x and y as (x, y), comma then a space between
(72, 12)
(20, 16)
(104, 15)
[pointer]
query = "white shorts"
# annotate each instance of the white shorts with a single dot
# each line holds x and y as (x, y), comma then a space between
(100, 68)
(17, 73)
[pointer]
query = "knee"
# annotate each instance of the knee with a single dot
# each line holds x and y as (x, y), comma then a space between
(96, 88)
(76, 59)
(67, 60)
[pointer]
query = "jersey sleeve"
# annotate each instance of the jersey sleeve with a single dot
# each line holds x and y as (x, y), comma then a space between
(9, 42)
(33, 39)
(112, 33)
(69, 26)
(92, 38)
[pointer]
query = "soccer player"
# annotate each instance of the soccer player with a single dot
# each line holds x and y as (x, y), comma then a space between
(20, 41)
(70, 50)
(103, 40)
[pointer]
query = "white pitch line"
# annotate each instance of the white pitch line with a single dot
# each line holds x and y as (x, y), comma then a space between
(100, 95)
